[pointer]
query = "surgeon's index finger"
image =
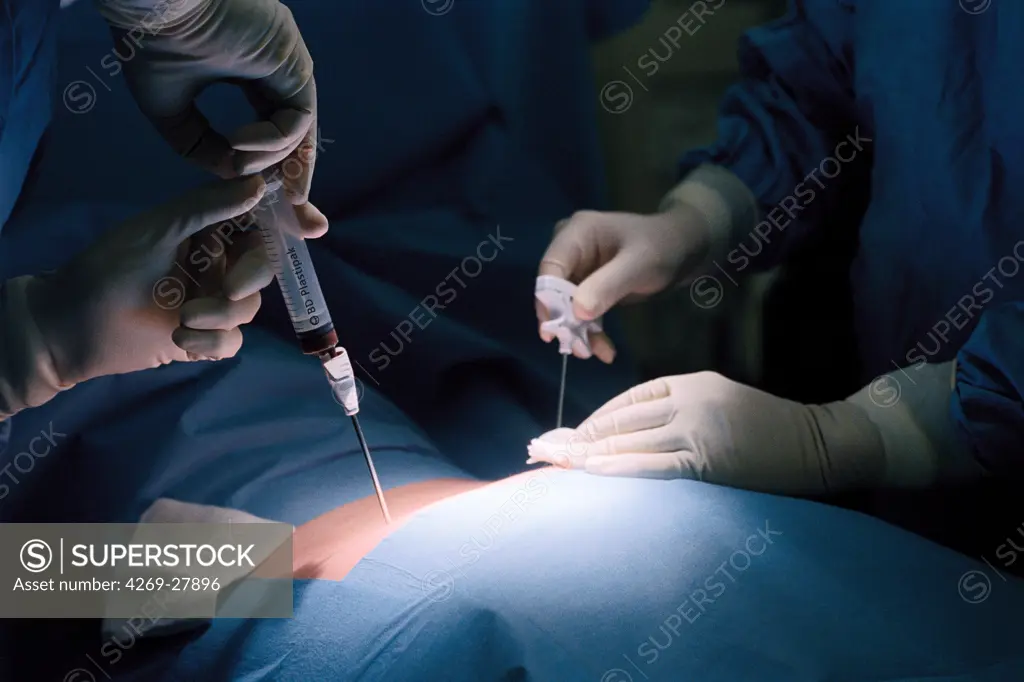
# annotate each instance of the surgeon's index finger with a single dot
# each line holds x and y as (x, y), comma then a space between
(655, 389)
(212, 204)
(563, 254)
(641, 416)
(650, 440)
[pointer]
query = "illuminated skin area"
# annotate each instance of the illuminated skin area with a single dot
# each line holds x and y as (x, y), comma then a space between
(330, 546)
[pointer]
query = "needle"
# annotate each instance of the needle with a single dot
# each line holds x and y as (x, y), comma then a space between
(373, 471)
(339, 373)
(561, 391)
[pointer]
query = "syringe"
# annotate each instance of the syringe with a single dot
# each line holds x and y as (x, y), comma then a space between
(289, 257)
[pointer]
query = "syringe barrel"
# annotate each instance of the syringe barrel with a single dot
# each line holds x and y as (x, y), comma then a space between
(289, 256)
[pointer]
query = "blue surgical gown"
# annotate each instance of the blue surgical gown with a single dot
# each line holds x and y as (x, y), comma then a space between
(28, 49)
(921, 99)
(987, 405)
(27, 68)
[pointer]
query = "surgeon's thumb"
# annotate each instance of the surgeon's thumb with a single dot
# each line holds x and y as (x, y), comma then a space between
(211, 204)
(608, 285)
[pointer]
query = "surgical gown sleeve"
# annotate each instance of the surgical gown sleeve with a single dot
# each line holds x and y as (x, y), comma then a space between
(28, 58)
(793, 109)
(988, 399)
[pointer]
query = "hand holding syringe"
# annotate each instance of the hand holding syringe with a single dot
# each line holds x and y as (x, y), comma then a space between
(289, 257)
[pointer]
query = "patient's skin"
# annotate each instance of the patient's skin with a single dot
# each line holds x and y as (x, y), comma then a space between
(330, 546)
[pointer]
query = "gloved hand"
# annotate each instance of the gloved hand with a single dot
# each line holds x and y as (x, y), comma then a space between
(158, 288)
(179, 47)
(621, 257)
(703, 426)
(625, 257)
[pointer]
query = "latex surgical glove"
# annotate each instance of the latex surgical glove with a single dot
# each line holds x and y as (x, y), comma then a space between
(179, 47)
(703, 426)
(173, 284)
(620, 256)
(625, 257)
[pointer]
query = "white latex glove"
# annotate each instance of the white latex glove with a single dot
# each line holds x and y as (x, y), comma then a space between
(156, 289)
(620, 256)
(705, 427)
(179, 47)
(625, 257)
